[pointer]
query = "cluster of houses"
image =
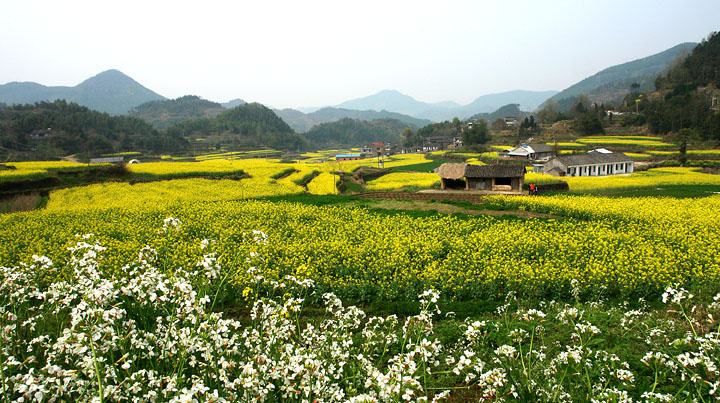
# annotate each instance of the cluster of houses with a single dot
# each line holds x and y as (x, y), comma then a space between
(597, 162)
(509, 177)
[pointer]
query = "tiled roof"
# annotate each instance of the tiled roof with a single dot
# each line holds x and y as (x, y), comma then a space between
(458, 171)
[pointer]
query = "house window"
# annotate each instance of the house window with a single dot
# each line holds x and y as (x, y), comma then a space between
(503, 181)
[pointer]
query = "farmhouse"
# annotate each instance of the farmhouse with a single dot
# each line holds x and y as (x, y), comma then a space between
(590, 164)
(434, 143)
(511, 121)
(348, 157)
(531, 151)
(496, 178)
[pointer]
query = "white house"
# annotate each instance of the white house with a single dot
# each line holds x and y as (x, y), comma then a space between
(590, 164)
(532, 151)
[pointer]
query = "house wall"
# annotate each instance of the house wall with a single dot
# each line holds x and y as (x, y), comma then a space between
(600, 169)
(479, 184)
(554, 164)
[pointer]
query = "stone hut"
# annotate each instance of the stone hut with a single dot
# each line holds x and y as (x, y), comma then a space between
(492, 178)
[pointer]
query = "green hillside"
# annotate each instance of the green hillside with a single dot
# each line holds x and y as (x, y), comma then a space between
(353, 132)
(53, 129)
(248, 125)
(165, 113)
(613, 83)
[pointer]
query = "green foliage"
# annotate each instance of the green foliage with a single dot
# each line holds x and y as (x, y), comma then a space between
(700, 68)
(588, 123)
(550, 112)
(475, 134)
(249, 125)
(352, 132)
(444, 129)
(68, 128)
(165, 113)
(683, 106)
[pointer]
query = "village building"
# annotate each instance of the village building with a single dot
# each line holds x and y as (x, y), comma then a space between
(531, 152)
(511, 121)
(40, 134)
(494, 178)
(590, 164)
(348, 157)
(435, 143)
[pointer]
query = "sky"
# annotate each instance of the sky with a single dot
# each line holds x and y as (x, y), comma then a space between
(314, 53)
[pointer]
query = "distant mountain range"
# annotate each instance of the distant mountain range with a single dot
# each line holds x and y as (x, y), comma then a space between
(303, 122)
(394, 101)
(115, 93)
(613, 83)
(110, 91)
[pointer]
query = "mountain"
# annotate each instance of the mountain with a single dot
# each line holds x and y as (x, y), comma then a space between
(394, 101)
(249, 125)
(233, 103)
(353, 132)
(165, 113)
(302, 122)
(509, 110)
(110, 91)
(613, 83)
(58, 128)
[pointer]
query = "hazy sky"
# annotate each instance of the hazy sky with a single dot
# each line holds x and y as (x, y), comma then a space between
(305, 53)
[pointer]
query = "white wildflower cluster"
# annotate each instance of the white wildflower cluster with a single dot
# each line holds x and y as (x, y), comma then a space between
(144, 334)
(675, 295)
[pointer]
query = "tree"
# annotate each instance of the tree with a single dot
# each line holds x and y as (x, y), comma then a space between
(457, 124)
(549, 112)
(588, 123)
(476, 133)
(498, 124)
(684, 136)
(407, 135)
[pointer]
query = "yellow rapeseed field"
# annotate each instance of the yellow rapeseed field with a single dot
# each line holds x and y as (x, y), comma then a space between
(657, 177)
(400, 180)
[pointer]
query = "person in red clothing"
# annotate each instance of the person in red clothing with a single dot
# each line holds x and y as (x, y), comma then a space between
(532, 189)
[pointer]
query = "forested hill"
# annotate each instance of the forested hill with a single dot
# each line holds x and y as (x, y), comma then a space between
(699, 69)
(684, 95)
(53, 129)
(250, 125)
(353, 132)
(505, 111)
(165, 113)
(613, 83)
